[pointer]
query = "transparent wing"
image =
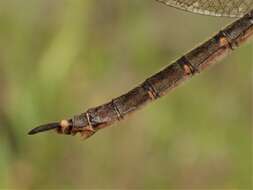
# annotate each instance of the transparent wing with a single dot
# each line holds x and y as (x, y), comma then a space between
(231, 8)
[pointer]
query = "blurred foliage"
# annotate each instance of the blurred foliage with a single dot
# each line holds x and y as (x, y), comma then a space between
(58, 58)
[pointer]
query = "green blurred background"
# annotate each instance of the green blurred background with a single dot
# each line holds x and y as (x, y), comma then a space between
(58, 58)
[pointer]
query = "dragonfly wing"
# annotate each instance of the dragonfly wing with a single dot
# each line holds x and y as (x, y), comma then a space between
(230, 8)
